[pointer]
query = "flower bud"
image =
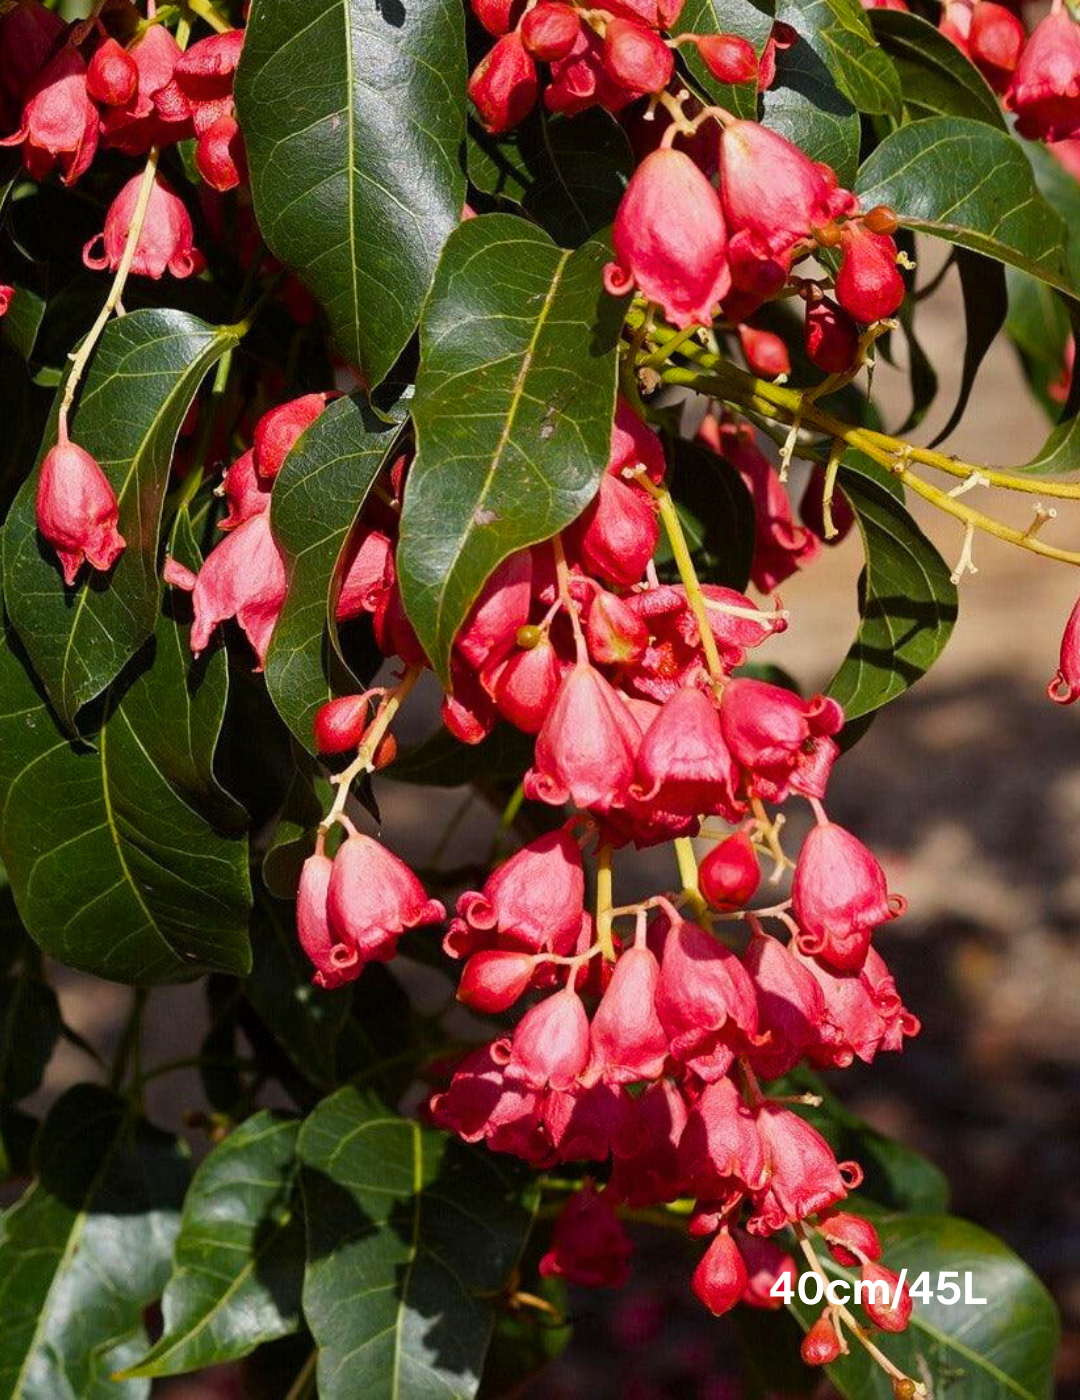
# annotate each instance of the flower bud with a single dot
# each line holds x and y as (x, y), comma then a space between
(497, 16)
(868, 285)
(165, 242)
(503, 85)
(765, 353)
(1064, 689)
(525, 684)
(851, 1238)
(615, 634)
(637, 57)
(549, 30)
(831, 337)
(76, 510)
(340, 723)
(720, 1278)
(493, 979)
(729, 875)
(885, 1302)
(821, 1345)
(728, 57)
(112, 77)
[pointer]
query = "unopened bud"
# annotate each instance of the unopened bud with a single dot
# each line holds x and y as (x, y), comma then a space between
(881, 219)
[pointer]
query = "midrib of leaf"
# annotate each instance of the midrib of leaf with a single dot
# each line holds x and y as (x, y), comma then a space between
(414, 1250)
(516, 396)
(351, 138)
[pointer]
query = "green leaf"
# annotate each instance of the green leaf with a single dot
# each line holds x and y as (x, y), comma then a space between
(751, 19)
(907, 603)
(863, 70)
(411, 1238)
(86, 1249)
(805, 103)
(924, 172)
(443, 761)
(238, 1263)
(142, 379)
(513, 411)
(986, 304)
(354, 119)
(1002, 1349)
(936, 79)
(29, 1029)
(317, 498)
(567, 173)
(114, 870)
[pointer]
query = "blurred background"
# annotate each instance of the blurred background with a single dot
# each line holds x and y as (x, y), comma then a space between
(968, 790)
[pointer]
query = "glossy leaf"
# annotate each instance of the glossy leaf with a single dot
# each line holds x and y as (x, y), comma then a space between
(1004, 1347)
(354, 118)
(923, 171)
(750, 19)
(142, 379)
(907, 603)
(411, 1238)
(567, 173)
(86, 1249)
(317, 497)
(805, 103)
(114, 870)
(863, 71)
(514, 403)
(441, 761)
(936, 79)
(717, 516)
(238, 1262)
(986, 304)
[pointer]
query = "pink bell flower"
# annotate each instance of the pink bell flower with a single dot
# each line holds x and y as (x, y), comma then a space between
(372, 898)
(76, 510)
(165, 241)
(839, 896)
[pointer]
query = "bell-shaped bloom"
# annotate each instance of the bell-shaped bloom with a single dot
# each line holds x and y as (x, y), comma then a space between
(500, 610)
(76, 510)
(721, 1149)
(504, 85)
(494, 978)
(1045, 90)
(705, 1001)
(467, 710)
(766, 1264)
(728, 57)
(242, 577)
(720, 1278)
(220, 157)
(791, 1006)
(636, 57)
(368, 565)
(589, 1245)
(59, 121)
(885, 1299)
(683, 763)
(580, 80)
(341, 722)
(203, 79)
(533, 902)
(112, 76)
(335, 963)
(550, 1045)
(585, 750)
(851, 1239)
(821, 1345)
(995, 42)
(802, 1175)
(645, 1150)
(831, 337)
(373, 897)
(765, 353)
(782, 741)
(482, 1104)
(614, 633)
(628, 1041)
(839, 896)
(670, 240)
(550, 30)
(497, 16)
(140, 124)
(278, 431)
(863, 1013)
(165, 242)
(868, 285)
(524, 685)
(616, 535)
(244, 493)
(1064, 689)
(729, 874)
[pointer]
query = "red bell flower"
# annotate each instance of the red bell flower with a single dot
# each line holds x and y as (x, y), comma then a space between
(670, 240)
(112, 76)
(705, 1000)
(729, 875)
(585, 750)
(481, 1103)
(372, 898)
(203, 79)
(839, 896)
(657, 14)
(617, 534)
(497, 16)
(1045, 90)
(886, 1301)
(721, 1150)
(533, 902)
(628, 1042)
(243, 577)
(802, 1175)
(524, 685)
(278, 431)
(783, 741)
(791, 1006)
(550, 1045)
(219, 156)
(1064, 689)
(244, 493)
(59, 121)
(28, 36)
(995, 42)
(863, 1012)
(503, 85)
(634, 444)
(636, 57)
(728, 57)
(500, 610)
(494, 978)
(614, 633)
(831, 337)
(165, 241)
(868, 285)
(550, 29)
(143, 122)
(76, 510)
(589, 1245)
(579, 79)
(683, 764)
(334, 962)
(720, 1278)
(6, 295)
(646, 1165)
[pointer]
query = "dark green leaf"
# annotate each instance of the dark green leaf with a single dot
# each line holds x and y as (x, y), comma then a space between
(567, 173)
(717, 515)
(308, 797)
(986, 304)
(936, 79)
(142, 379)
(411, 1238)
(23, 320)
(17, 1133)
(238, 1262)
(29, 1029)
(85, 1250)
(805, 104)
(1002, 1348)
(924, 172)
(907, 602)
(863, 70)
(317, 497)
(114, 871)
(354, 119)
(442, 761)
(751, 19)
(513, 411)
